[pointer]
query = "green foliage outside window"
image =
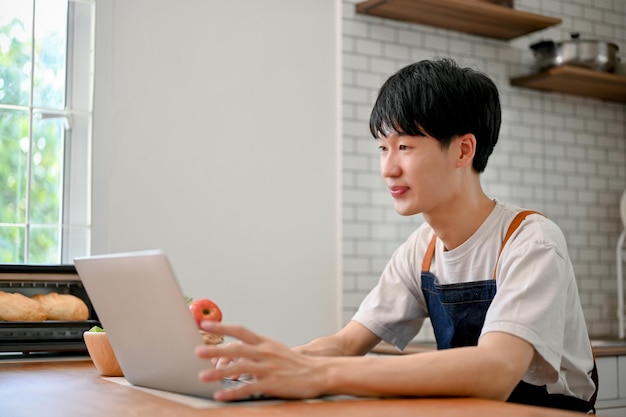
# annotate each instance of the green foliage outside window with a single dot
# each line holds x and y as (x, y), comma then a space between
(31, 147)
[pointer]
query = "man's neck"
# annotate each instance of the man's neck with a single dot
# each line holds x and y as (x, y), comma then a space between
(458, 221)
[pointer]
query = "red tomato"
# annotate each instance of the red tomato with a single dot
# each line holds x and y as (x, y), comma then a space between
(205, 309)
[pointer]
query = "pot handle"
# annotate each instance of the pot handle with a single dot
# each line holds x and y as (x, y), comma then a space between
(542, 44)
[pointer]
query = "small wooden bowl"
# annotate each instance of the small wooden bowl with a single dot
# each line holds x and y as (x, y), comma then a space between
(102, 353)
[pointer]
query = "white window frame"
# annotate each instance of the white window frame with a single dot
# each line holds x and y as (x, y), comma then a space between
(76, 237)
(75, 233)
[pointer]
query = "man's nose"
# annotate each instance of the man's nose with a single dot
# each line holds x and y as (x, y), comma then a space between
(389, 166)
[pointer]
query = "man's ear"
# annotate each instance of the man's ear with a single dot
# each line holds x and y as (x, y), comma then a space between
(466, 145)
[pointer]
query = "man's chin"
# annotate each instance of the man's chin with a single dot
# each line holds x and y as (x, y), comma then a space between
(405, 211)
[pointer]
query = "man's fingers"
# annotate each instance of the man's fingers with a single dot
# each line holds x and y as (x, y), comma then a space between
(233, 371)
(233, 330)
(226, 354)
(244, 391)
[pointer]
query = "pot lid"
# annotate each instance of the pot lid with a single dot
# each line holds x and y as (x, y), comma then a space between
(574, 37)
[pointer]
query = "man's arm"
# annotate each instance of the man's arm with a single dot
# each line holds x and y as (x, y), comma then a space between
(490, 370)
(353, 339)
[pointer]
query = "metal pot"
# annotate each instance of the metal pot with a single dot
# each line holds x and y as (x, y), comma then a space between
(594, 54)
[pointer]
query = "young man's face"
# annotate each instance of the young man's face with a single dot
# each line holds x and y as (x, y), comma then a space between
(419, 174)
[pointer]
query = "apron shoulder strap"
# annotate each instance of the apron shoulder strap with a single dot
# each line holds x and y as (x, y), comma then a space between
(428, 256)
(517, 220)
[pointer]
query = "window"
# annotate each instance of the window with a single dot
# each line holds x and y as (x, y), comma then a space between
(46, 89)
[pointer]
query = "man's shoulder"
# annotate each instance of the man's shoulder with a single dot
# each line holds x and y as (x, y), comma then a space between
(505, 213)
(536, 229)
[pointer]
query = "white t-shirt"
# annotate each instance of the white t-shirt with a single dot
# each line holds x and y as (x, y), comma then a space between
(536, 299)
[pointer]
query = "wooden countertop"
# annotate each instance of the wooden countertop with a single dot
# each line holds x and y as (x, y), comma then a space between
(74, 388)
(617, 350)
(603, 347)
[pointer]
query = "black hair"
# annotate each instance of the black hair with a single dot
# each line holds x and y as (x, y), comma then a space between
(443, 100)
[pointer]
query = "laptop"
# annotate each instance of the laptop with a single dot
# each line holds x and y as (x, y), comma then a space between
(143, 310)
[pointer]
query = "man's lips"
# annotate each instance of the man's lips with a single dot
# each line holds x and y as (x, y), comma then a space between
(398, 191)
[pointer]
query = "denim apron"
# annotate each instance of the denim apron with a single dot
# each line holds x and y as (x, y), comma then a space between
(457, 313)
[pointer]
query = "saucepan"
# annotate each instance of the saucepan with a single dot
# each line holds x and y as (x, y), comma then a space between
(594, 54)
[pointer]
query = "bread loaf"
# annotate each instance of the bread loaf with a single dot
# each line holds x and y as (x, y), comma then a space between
(211, 339)
(18, 307)
(62, 306)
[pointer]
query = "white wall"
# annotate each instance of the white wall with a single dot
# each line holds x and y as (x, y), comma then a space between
(216, 138)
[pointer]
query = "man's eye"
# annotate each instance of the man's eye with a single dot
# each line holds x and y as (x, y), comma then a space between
(382, 148)
(403, 147)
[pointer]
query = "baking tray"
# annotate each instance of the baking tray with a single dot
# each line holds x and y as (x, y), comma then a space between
(50, 335)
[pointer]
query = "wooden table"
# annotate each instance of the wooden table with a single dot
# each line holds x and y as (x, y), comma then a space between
(601, 347)
(74, 388)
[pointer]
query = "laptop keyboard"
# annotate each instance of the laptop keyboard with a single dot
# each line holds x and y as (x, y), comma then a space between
(244, 379)
(233, 383)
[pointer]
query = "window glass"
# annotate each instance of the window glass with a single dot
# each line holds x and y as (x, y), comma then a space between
(46, 188)
(16, 42)
(44, 244)
(50, 54)
(14, 145)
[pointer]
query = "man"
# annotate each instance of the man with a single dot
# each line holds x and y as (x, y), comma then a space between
(495, 280)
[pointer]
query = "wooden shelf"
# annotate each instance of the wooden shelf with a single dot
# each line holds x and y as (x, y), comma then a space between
(578, 81)
(470, 16)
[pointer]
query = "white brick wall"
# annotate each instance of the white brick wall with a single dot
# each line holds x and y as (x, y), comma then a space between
(562, 155)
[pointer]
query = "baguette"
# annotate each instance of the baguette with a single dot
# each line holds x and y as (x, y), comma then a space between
(62, 306)
(18, 307)
(211, 339)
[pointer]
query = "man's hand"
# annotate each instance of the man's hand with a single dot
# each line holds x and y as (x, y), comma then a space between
(276, 369)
